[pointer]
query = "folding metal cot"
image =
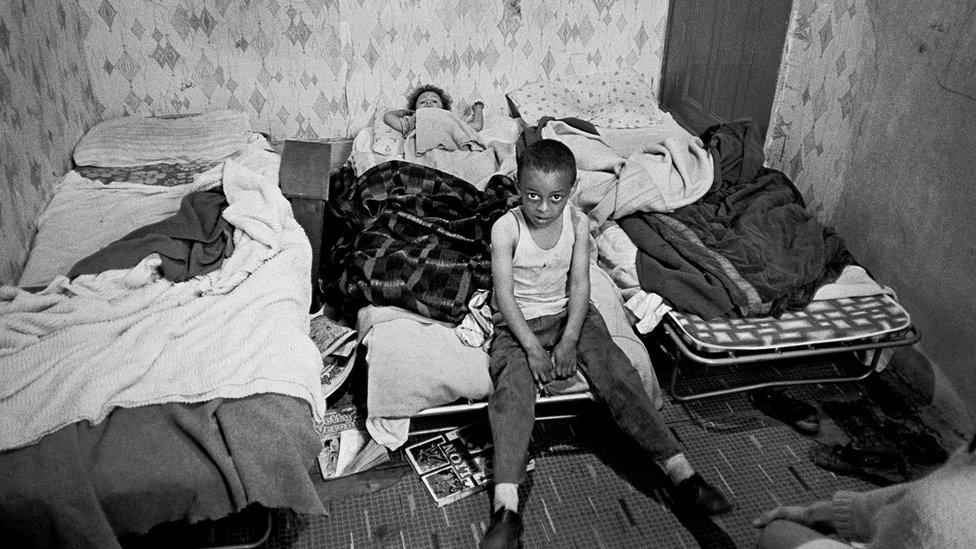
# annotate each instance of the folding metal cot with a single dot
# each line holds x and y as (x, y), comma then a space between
(832, 326)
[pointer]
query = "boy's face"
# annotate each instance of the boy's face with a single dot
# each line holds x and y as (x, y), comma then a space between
(429, 100)
(544, 196)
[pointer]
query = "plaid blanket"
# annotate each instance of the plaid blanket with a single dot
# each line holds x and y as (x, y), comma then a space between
(413, 237)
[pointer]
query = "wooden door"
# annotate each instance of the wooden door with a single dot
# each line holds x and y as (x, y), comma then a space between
(722, 59)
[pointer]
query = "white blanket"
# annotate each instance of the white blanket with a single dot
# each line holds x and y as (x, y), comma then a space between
(660, 176)
(130, 338)
(444, 141)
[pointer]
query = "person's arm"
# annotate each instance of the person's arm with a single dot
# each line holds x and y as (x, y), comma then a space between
(851, 515)
(818, 515)
(503, 242)
(478, 116)
(564, 353)
(401, 120)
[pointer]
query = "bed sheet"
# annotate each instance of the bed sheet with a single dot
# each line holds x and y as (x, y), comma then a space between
(415, 363)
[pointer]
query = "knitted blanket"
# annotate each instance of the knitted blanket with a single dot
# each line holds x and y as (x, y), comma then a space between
(79, 348)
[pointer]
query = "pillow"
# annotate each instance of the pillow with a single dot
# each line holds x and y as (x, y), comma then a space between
(363, 157)
(499, 127)
(136, 141)
(622, 99)
(386, 140)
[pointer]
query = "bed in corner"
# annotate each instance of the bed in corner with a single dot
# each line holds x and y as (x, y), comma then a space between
(130, 397)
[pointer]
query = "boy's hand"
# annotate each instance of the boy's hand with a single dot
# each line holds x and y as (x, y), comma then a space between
(540, 364)
(564, 355)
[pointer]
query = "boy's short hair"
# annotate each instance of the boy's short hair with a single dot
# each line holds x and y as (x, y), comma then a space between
(548, 155)
(415, 95)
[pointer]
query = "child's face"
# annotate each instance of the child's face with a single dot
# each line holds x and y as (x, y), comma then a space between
(429, 100)
(544, 196)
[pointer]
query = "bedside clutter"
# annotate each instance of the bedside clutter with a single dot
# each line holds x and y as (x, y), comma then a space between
(304, 180)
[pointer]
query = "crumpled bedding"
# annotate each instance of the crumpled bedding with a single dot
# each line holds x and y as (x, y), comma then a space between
(747, 247)
(86, 485)
(191, 242)
(413, 237)
(444, 141)
(82, 347)
(416, 363)
(660, 176)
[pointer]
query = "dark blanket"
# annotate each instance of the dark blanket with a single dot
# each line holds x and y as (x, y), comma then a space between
(84, 485)
(748, 247)
(413, 237)
(194, 241)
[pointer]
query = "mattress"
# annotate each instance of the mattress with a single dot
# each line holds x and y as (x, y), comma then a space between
(828, 321)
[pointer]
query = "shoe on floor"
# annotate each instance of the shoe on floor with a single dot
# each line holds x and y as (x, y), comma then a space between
(504, 531)
(695, 493)
(776, 404)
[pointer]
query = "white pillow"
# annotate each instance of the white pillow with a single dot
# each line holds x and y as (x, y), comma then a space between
(135, 140)
(386, 140)
(499, 127)
(622, 99)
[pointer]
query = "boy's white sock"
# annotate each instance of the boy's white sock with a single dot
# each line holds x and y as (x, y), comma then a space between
(678, 468)
(506, 495)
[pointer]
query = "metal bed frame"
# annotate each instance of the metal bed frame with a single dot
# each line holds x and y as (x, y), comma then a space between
(462, 408)
(681, 350)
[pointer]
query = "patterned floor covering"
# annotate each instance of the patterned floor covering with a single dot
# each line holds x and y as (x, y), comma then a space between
(591, 488)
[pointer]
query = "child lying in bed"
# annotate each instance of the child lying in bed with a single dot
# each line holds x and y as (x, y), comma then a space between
(429, 96)
(540, 267)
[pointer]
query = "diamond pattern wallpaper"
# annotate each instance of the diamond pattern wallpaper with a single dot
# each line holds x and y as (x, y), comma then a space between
(816, 114)
(316, 68)
(46, 103)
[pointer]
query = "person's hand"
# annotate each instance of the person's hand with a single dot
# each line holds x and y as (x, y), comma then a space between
(540, 364)
(817, 516)
(564, 357)
(478, 106)
(409, 122)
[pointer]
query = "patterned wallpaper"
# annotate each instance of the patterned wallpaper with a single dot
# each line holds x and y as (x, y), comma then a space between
(816, 112)
(307, 68)
(46, 103)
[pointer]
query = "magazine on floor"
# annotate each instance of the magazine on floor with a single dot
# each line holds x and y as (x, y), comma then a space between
(329, 336)
(347, 447)
(455, 464)
(337, 345)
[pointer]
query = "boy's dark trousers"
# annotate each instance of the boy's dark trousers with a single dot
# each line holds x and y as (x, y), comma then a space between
(511, 406)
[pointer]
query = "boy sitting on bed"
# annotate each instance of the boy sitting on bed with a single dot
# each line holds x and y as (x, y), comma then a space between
(547, 326)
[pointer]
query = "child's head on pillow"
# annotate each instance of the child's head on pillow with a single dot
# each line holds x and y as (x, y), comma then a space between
(429, 96)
